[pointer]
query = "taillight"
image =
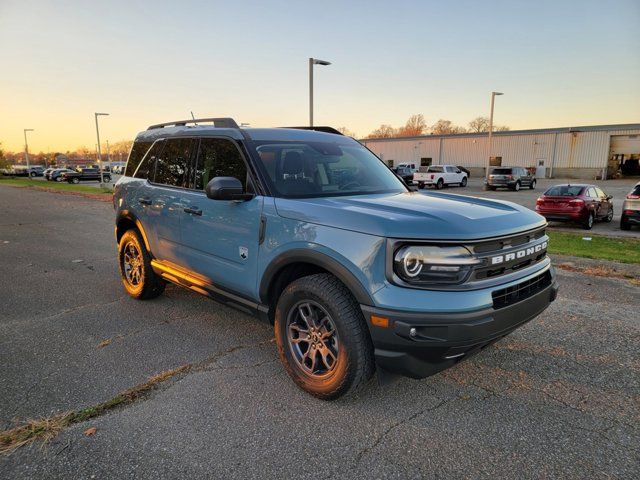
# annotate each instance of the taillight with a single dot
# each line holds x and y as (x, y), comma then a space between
(432, 177)
(576, 203)
(633, 197)
(628, 212)
(510, 177)
(540, 201)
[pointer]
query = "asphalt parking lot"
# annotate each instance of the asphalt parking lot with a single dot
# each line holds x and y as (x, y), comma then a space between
(560, 397)
(619, 188)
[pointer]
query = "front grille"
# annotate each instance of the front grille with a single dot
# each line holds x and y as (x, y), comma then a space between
(510, 295)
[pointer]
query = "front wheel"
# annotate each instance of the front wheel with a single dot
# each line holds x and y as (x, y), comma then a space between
(138, 278)
(58, 179)
(322, 337)
(75, 180)
(588, 224)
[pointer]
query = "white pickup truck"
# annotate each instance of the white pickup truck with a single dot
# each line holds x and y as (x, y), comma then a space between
(440, 176)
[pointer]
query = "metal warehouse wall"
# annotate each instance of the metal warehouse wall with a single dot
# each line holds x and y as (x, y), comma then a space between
(563, 150)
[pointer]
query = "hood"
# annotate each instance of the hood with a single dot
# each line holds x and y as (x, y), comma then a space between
(414, 215)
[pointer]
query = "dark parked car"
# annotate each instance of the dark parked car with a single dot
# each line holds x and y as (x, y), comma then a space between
(85, 175)
(406, 174)
(631, 209)
(56, 175)
(510, 177)
(582, 204)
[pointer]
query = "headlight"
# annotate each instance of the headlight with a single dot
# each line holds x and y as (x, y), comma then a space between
(429, 264)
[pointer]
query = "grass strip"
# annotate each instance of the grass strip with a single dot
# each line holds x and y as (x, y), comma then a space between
(53, 186)
(617, 249)
(45, 429)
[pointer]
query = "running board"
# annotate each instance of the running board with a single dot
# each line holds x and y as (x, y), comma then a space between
(201, 285)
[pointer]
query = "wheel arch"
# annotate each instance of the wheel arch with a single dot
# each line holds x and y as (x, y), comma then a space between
(294, 264)
(127, 221)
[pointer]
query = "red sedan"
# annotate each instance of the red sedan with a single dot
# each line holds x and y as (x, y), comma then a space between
(582, 204)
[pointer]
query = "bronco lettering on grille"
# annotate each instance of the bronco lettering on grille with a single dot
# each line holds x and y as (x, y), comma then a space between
(525, 252)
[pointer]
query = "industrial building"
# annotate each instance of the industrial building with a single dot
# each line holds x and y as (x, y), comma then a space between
(600, 151)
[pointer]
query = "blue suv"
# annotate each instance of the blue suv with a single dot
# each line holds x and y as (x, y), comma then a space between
(308, 230)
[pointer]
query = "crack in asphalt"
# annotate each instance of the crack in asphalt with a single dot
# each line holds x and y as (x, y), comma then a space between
(380, 438)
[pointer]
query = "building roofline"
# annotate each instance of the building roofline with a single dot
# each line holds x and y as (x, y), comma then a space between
(587, 128)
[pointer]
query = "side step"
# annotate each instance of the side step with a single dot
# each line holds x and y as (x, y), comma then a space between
(201, 285)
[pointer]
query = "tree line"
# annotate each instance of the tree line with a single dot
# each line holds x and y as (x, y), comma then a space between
(417, 125)
(118, 151)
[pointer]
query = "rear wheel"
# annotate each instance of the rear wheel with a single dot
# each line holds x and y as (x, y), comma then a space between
(588, 223)
(440, 184)
(624, 224)
(58, 179)
(463, 183)
(532, 185)
(322, 337)
(75, 180)
(420, 185)
(138, 278)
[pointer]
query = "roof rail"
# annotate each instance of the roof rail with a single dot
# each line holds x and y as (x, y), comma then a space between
(318, 129)
(217, 122)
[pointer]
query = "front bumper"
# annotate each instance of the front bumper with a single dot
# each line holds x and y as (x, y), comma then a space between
(442, 339)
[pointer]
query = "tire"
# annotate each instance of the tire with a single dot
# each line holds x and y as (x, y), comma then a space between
(440, 184)
(58, 179)
(463, 183)
(345, 359)
(624, 225)
(609, 216)
(588, 223)
(420, 185)
(516, 187)
(33, 175)
(75, 180)
(532, 185)
(141, 283)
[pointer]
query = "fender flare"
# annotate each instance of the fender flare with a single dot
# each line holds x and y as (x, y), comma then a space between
(129, 216)
(300, 255)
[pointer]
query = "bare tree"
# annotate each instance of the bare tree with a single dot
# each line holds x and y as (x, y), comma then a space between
(4, 162)
(446, 127)
(384, 131)
(415, 126)
(346, 132)
(481, 124)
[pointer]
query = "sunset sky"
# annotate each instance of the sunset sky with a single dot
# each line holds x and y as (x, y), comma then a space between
(559, 63)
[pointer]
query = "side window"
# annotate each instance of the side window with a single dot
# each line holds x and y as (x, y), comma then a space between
(147, 166)
(592, 193)
(218, 157)
(135, 156)
(171, 165)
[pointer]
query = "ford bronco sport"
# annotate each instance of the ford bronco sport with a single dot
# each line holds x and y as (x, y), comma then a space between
(308, 230)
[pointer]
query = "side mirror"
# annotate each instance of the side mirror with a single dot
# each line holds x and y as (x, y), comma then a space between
(226, 188)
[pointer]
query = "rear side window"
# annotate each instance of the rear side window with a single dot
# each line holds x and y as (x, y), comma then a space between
(172, 163)
(218, 157)
(147, 166)
(135, 156)
(435, 169)
(636, 190)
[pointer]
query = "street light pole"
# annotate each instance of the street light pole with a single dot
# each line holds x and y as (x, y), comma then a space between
(493, 97)
(96, 115)
(312, 62)
(26, 151)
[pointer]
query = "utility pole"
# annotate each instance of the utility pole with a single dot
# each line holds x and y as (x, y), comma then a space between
(493, 96)
(312, 62)
(26, 151)
(96, 115)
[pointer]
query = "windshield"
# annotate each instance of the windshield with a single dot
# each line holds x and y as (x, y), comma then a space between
(564, 191)
(323, 169)
(635, 191)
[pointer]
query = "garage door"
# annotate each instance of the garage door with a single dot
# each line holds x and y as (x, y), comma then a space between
(625, 145)
(624, 154)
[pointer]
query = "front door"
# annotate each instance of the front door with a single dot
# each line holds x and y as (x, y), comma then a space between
(221, 236)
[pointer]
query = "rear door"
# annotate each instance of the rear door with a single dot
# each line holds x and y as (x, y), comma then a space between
(166, 194)
(221, 237)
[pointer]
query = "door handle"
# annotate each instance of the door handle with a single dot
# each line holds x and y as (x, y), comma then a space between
(144, 200)
(193, 210)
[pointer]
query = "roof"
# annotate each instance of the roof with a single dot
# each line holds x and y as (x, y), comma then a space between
(588, 128)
